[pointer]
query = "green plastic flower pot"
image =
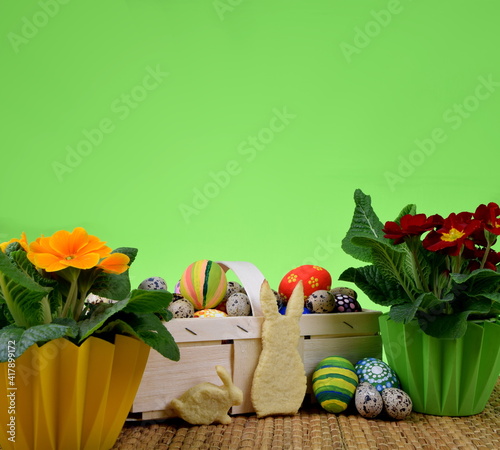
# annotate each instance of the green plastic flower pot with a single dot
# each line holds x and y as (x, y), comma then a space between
(444, 377)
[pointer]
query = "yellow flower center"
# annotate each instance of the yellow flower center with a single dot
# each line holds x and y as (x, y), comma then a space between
(453, 235)
(68, 258)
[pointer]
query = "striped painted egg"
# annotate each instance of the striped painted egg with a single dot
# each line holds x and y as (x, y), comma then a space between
(204, 284)
(334, 383)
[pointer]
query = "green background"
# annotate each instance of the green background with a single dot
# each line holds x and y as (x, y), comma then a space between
(261, 121)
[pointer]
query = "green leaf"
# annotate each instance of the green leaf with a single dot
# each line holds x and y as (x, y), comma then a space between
(26, 299)
(24, 339)
(451, 326)
(152, 331)
(379, 289)
(142, 301)
(111, 285)
(365, 223)
(389, 260)
(479, 281)
(5, 316)
(408, 209)
(97, 319)
(146, 327)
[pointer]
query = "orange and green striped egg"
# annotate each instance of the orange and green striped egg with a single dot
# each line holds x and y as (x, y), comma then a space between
(334, 383)
(204, 284)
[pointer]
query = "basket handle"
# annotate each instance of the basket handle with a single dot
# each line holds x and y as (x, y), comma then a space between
(250, 277)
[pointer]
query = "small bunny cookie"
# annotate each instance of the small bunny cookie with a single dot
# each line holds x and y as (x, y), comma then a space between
(279, 382)
(206, 403)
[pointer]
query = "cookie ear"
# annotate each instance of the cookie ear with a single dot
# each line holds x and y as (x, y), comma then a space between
(295, 306)
(268, 301)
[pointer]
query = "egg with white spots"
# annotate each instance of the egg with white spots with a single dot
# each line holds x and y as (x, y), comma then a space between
(377, 373)
(397, 403)
(153, 284)
(181, 309)
(320, 302)
(238, 304)
(368, 400)
(346, 303)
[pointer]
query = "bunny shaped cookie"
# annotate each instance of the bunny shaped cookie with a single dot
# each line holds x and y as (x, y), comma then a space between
(279, 382)
(206, 403)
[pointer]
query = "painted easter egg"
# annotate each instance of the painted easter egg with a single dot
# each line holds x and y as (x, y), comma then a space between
(346, 303)
(207, 313)
(377, 373)
(334, 382)
(314, 278)
(204, 284)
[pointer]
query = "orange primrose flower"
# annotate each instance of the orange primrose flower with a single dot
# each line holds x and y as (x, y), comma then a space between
(23, 241)
(115, 263)
(64, 249)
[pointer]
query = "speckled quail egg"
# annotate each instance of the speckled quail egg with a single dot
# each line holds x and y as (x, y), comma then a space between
(181, 309)
(397, 403)
(320, 302)
(279, 299)
(368, 400)
(153, 284)
(176, 296)
(238, 304)
(344, 291)
(346, 303)
(232, 288)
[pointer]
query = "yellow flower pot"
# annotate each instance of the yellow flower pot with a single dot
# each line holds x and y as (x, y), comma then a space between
(66, 397)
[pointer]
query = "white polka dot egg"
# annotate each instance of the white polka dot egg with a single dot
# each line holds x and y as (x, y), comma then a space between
(377, 373)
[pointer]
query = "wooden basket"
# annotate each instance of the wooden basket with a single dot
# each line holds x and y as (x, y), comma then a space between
(235, 343)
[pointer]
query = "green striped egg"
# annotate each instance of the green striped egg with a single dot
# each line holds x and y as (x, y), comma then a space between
(204, 284)
(334, 383)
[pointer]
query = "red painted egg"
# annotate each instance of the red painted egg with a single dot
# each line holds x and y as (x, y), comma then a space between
(314, 278)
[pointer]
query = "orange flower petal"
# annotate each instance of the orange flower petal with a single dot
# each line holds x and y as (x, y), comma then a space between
(60, 243)
(78, 239)
(22, 241)
(82, 261)
(115, 263)
(94, 245)
(47, 261)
